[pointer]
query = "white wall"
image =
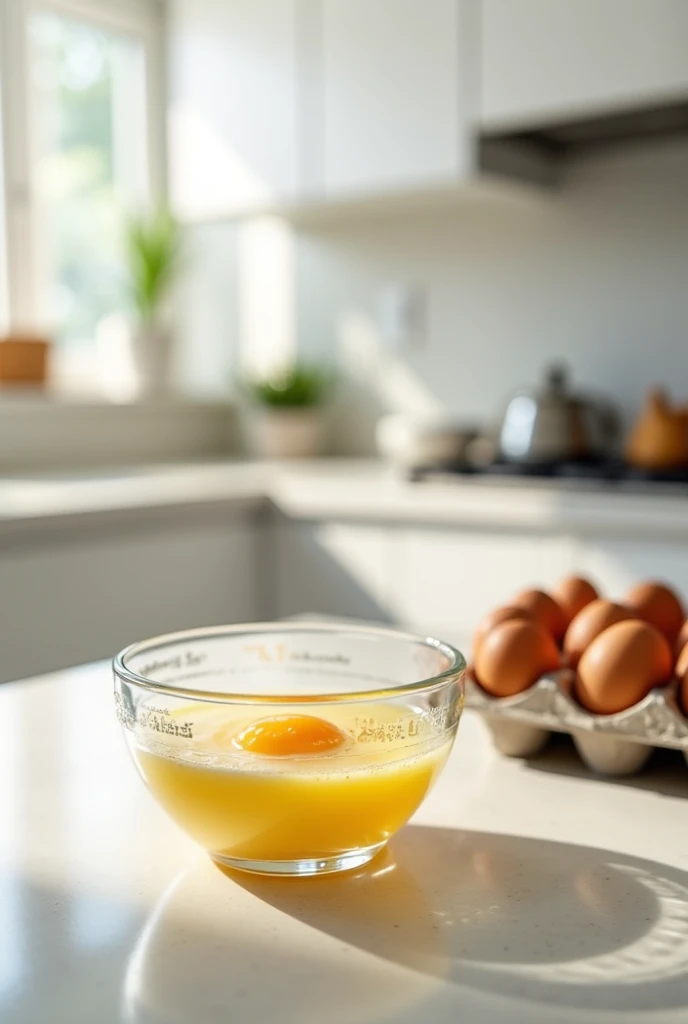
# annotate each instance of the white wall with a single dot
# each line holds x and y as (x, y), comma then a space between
(206, 307)
(596, 274)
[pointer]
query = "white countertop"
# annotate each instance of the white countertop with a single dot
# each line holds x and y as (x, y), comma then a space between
(351, 489)
(520, 893)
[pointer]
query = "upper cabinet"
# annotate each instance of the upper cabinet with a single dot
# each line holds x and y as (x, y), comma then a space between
(234, 124)
(393, 95)
(552, 61)
(282, 104)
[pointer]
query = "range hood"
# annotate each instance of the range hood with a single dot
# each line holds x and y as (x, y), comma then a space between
(537, 153)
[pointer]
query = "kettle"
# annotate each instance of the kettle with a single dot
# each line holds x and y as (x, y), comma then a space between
(553, 424)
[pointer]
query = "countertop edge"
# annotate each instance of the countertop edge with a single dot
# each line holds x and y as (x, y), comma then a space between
(340, 489)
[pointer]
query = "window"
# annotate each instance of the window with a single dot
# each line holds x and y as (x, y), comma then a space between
(89, 153)
(88, 90)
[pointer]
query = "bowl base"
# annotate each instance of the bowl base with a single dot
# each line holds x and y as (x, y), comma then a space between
(304, 866)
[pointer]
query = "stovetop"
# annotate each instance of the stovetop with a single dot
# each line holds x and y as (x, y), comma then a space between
(608, 471)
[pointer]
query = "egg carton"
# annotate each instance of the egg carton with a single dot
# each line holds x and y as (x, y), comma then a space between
(617, 744)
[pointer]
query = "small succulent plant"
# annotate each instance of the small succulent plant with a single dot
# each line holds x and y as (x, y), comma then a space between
(299, 386)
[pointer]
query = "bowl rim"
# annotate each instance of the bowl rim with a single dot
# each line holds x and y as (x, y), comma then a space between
(125, 674)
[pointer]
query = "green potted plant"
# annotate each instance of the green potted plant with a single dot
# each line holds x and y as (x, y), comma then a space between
(152, 251)
(284, 411)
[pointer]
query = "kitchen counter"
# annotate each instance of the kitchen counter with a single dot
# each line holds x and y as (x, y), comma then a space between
(527, 893)
(349, 489)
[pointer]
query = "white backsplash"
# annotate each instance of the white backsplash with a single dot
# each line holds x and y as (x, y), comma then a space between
(595, 274)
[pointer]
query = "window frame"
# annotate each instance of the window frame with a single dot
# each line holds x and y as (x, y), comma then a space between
(142, 19)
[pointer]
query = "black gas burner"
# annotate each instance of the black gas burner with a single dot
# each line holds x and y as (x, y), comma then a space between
(611, 471)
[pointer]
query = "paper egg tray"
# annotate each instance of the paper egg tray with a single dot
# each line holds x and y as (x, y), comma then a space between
(617, 744)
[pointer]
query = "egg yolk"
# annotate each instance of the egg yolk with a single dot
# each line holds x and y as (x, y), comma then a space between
(289, 735)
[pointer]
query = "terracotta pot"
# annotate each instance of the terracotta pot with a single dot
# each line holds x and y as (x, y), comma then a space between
(24, 360)
(283, 433)
(659, 439)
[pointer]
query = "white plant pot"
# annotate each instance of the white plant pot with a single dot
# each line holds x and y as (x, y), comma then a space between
(283, 433)
(151, 353)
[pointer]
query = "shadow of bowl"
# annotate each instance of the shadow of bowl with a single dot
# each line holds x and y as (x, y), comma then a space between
(554, 922)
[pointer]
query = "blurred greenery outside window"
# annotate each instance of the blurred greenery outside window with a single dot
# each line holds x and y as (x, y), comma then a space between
(88, 90)
(88, 94)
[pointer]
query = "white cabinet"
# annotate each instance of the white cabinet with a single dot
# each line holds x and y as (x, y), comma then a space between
(443, 581)
(234, 130)
(329, 568)
(553, 60)
(435, 580)
(393, 95)
(80, 592)
(615, 565)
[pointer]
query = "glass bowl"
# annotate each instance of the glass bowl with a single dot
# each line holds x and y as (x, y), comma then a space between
(290, 748)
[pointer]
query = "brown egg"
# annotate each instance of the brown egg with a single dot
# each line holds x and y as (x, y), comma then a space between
(621, 666)
(658, 605)
(544, 609)
(681, 669)
(589, 623)
(493, 618)
(572, 594)
(513, 656)
(682, 638)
